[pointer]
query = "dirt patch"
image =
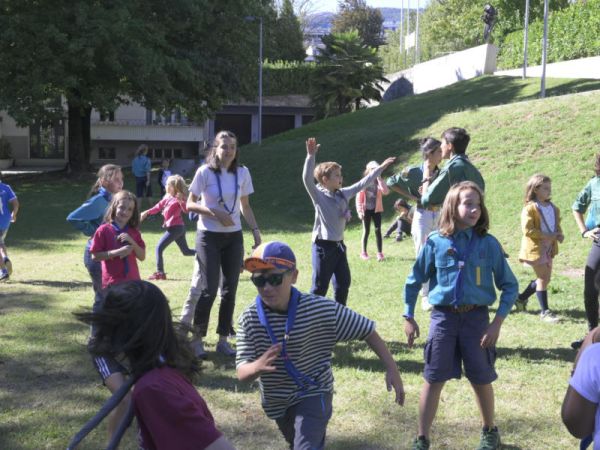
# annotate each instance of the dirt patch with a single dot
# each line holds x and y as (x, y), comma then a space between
(573, 273)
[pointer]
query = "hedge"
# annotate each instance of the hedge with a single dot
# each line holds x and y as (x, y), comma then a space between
(285, 78)
(573, 32)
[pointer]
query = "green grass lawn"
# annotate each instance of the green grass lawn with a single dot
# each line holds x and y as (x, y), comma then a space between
(48, 387)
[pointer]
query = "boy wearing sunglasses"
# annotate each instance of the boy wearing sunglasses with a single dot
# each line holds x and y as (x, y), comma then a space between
(286, 339)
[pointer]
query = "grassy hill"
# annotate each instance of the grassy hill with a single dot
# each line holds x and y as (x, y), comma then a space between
(48, 387)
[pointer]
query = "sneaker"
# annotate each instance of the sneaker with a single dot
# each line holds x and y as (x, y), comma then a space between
(490, 439)
(198, 348)
(380, 256)
(399, 238)
(576, 345)
(4, 275)
(549, 317)
(224, 348)
(8, 265)
(420, 443)
(158, 276)
(386, 236)
(364, 255)
(521, 305)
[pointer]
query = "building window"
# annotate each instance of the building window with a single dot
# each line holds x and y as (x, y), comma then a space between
(47, 139)
(107, 153)
(177, 153)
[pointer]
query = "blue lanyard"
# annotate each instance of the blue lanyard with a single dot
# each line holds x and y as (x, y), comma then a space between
(221, 200)
(119, 231)
(459, 283)
(301, 380)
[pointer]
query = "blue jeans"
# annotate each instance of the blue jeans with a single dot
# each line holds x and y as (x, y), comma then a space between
(329, 260)
(94, 268)
(304, 424)
(217, 253)
(175, 233)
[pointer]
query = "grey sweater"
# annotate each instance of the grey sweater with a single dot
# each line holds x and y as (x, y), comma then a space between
(330, 208)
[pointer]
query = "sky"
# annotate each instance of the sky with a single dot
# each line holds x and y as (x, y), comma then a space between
(331, 5)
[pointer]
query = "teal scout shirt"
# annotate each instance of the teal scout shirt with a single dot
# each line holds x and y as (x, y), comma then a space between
(589, 200)
(409, 179)
(484, 268)
(458, 169)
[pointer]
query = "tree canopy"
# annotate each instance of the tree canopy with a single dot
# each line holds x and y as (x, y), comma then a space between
(188, 54)
(356, 15)
(347, 73)
(286, 37)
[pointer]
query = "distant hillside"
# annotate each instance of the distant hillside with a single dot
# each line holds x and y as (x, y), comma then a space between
(323, 20)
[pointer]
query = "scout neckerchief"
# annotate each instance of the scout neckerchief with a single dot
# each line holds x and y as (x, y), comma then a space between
(221, 200)
(104, 193)
(462, 259)
(118, 230)
(301, 380)
(539, 207)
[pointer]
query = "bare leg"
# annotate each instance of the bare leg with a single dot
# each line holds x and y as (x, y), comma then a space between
(428, 405)
(484, 393)
(113, 383)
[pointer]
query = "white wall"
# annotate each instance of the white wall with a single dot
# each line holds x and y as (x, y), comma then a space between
(577, 68)
(449, 69)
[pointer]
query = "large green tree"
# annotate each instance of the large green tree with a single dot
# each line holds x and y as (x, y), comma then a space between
(347, 73)
(454, 25)
(288, 37)
(356, 15)
(188, 54)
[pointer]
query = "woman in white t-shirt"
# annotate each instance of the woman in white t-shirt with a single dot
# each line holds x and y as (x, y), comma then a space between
(218, 194)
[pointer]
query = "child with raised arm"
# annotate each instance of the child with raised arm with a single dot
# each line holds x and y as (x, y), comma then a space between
(540, 223)
(463, 263)
(369, 206)
(172, 206)
(331, 202)
(9, 208)
(286, 339)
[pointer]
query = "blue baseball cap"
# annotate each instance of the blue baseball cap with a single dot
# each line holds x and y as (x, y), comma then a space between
(271, 255)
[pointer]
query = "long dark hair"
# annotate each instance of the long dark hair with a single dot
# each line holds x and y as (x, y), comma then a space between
(213, 160)
(105, 173)
(135, 320)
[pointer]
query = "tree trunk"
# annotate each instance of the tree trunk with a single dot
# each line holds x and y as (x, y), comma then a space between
(79, 135)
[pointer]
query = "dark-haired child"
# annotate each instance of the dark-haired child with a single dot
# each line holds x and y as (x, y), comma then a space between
(9, 208)
(134, 320)
(464, 265)
(163, 173)
(331, 202)
(458, 168)
(403, 221)
(286, 338)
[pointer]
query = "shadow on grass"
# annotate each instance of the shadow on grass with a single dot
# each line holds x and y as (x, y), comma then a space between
(221, 380)
(345, 355)
(535, 354)
(23, 300)
(62, 285)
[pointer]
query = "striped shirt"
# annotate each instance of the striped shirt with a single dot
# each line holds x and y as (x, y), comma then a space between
(320, 323)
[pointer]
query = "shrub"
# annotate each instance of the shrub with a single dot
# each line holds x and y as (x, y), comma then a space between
(573, 32)
(5, 149)
(285, 78)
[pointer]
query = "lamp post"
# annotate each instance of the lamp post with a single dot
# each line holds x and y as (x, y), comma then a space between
(260, 70)
(544, 51)
(525, 39)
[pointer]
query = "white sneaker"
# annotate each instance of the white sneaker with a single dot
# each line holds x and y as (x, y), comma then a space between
(549, 317)
(425, 305)
(198, 348)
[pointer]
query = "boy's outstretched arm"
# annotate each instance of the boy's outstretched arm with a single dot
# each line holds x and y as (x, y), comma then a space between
(392, 376)
(252, 370)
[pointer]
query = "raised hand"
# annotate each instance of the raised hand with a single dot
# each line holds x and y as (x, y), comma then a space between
(311, 146)
(388, 162)
(266, 360)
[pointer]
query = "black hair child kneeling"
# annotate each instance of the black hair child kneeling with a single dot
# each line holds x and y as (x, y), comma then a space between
(135, 321)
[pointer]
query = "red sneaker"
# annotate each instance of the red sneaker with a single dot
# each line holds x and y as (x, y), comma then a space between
(158, 276)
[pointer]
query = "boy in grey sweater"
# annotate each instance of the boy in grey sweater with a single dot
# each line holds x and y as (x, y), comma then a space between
(331, 202)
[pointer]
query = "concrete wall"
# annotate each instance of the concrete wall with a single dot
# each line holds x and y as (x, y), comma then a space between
(449, 69)
(577, 68)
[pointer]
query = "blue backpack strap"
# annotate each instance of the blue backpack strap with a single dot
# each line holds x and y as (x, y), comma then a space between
(118, 230)
(586, 442)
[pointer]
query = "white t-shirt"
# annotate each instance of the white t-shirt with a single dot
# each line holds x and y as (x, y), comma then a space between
(205, 186)
(548, 218)
(586, 381)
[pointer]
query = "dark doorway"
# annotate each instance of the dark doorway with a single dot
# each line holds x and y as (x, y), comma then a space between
(274, 124)
(240, 124)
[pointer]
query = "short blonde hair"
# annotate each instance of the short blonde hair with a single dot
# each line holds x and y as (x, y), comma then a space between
(325, 169)
(450, 210)
(178, 183)
(535, 182)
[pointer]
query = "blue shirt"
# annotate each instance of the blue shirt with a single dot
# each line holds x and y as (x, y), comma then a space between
(485, 267)
(89, 216)
(140, 166)
(589, 200)
(6, 196)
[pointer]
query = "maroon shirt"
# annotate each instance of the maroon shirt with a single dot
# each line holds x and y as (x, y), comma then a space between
(171, 414)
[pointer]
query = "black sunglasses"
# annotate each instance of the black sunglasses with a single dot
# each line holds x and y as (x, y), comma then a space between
(275, 279)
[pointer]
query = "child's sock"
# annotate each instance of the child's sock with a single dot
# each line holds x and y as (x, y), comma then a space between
(529, 290)
(542, 297)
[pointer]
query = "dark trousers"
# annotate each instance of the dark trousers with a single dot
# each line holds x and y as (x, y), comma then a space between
(218, 253)
(376, 216)
(175, 234)
(304, 425)
(329, 260)
(400, 226)
(591, 284)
